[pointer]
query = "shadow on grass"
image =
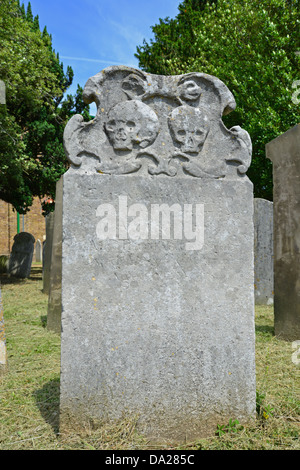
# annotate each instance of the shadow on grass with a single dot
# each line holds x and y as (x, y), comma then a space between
(47, 400)
(6, 279)
(265, 330)
(36, 274)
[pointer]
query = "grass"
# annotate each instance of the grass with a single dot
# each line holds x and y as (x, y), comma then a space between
(29, 390)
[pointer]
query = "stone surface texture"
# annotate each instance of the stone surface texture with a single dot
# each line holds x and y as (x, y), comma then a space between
(284, 152)
(156, 325)
(54, 299)
(263, 252)
(21, 255)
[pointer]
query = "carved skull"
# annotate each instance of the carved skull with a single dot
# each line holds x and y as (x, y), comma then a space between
(129, 123)
(189, 127)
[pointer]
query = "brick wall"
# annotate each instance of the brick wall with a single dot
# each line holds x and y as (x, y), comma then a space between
(34, 223)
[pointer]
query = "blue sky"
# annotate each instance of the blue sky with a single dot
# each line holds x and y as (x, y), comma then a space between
(93, 34)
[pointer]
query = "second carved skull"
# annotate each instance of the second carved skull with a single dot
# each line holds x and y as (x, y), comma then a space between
(189, 127)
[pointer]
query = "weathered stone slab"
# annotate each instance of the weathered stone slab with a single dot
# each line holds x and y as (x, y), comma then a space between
(263, 252)
(47, 252)
(157, 313)
(21, 255)
(54, 300)
(284, 152)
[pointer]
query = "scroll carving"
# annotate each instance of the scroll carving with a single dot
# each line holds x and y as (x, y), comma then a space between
(159, 125)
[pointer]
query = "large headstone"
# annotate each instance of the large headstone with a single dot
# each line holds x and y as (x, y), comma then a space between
(47, 252)
(3, 351)
(21, 255)
(157, 258)
(263, 252)
(54, 300)
(284, 152)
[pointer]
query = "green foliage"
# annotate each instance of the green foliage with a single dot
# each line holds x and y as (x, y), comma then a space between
(32, 123)
(233, 426)
(251, 47)
(263, 410)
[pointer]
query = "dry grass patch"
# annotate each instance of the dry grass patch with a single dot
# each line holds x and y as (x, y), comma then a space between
(29, 391)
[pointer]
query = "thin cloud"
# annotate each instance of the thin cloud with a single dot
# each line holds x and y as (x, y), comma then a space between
(87, 59)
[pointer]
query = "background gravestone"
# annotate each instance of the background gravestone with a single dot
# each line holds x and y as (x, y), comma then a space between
(263, 252)
(47, 252)
(3, 353)
(284, 152)
(54, 301)
(157, 311)
(38, 251)
(21, 255)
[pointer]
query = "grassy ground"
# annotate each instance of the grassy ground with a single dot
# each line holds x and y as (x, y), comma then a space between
(29, 390)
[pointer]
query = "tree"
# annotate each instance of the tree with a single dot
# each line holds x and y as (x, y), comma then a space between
(251, 47)
(32, 124)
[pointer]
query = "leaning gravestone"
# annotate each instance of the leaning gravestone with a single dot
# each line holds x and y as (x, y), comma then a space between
(157, 258)
(21, 255)
(54, 299)
(47, 252)
(263, 252)
(284, 152)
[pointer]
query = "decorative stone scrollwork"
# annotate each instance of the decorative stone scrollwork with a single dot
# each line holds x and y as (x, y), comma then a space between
(189, 90)
(160, 125)
(133, 86)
